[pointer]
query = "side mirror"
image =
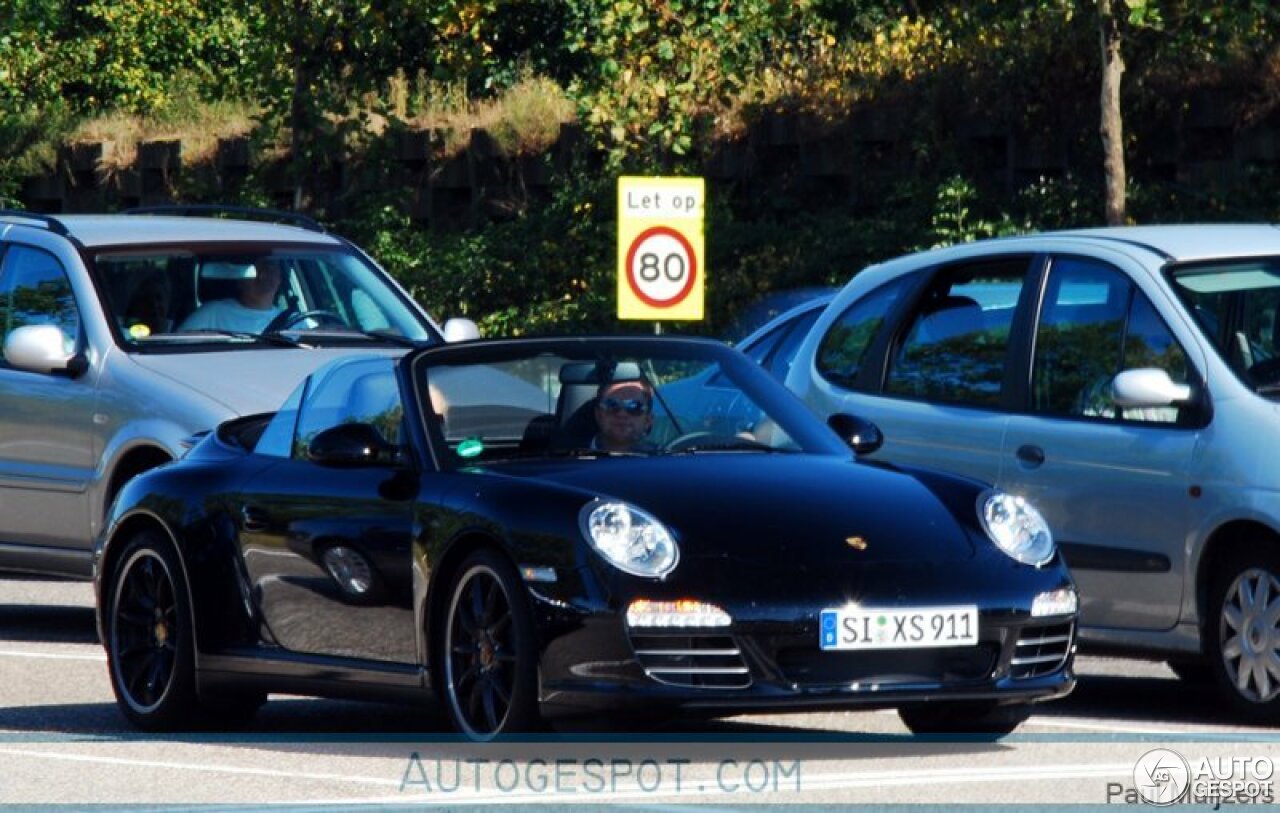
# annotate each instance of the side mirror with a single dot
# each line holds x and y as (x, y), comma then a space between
(351, 445)
(458, 329)
(1148, 387)
(42, 349)
(863, 436)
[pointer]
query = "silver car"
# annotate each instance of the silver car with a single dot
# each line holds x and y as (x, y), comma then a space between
(1127, 381)
(107, 371)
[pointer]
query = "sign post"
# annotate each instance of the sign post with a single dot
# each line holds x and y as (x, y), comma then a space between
(661, 273)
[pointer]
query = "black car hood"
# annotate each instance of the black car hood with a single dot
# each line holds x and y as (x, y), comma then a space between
(770, 508)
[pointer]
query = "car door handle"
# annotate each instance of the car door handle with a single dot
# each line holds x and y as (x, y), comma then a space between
(252, 519)
(1031, 455)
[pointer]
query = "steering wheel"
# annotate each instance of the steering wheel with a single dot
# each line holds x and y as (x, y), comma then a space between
(720, 440)
(686, 440)
(287, 319)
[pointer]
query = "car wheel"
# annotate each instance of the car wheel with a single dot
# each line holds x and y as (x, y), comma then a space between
(1243, 637)
(150, 651)
(487, 650)
(354, 574)
(964, 718)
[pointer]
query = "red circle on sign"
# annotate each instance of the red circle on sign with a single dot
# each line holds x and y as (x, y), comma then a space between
(661, 231)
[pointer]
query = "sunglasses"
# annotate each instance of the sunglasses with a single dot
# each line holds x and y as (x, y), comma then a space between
(631, 406)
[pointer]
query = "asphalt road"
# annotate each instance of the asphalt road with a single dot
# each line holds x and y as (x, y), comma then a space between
(62, 741)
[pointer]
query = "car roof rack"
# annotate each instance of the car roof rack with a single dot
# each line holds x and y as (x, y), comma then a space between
(218, 210)
(50, 222)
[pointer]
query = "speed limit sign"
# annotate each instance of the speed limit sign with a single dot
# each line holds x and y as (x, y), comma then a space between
(660, 269)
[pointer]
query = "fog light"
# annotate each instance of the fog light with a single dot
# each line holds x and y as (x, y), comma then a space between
(1056, 602)
(680, 613)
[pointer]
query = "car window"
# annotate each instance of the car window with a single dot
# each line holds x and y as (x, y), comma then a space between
(956, 344)
(499, 401)
(1080, 336)
(277, 439)
(1236, 306)
(167, 298)
(784, 352)
(34, 290)
(760, 348)
(1093, 324)
(775, 350)
(842, 348)
(358, 392)
(519, 401)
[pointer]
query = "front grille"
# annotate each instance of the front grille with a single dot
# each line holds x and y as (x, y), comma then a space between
(808, 666)
(694, 661)
(1040, 650)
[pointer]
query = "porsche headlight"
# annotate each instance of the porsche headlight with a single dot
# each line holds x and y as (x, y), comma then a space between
(1016, 527)
(630, 539)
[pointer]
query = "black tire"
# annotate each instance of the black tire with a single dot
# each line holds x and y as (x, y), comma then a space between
(485, 650)
(964, 718)
(1196, 672)
(1242, 644)
(149, 640)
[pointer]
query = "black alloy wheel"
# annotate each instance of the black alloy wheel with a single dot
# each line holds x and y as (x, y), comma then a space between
(1243, 635)
(490, 671)
(150, 651)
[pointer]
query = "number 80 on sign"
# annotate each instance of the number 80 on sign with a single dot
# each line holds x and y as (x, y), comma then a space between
(661, 267)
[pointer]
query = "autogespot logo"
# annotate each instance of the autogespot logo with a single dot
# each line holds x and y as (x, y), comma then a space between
(1161, 776)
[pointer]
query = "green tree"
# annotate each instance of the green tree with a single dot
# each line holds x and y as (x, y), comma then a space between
(657, 73)
(1183, 34)
(114, 54)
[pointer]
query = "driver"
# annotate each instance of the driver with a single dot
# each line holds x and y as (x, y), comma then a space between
(250, 311)
(624, 416)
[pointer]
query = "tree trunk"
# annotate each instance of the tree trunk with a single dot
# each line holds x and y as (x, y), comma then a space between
(300, 122)
(1112, 128)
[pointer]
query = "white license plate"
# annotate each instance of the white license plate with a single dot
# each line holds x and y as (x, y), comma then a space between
(899, 628)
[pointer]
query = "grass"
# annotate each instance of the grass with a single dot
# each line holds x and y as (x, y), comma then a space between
(198, 126)
(524, 119)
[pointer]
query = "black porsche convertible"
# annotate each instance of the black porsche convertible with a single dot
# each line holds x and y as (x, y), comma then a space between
(524, 529)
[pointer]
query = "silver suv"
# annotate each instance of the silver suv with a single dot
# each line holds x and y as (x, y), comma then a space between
(123, 335)
(1127, 381)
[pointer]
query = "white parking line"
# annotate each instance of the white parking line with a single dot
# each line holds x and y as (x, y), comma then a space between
(191, 766)
(1125, 727)
(17, 653)
(702, 787)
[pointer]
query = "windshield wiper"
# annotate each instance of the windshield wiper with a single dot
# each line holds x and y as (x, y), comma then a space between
(275, 338)
(376, 335)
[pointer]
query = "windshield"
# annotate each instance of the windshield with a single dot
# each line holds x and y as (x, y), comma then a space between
(1236, 305)
(598, 398)
(164, 298)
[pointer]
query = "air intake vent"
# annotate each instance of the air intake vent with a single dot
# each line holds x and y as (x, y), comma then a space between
(695, 661)
(810, 666)
(1040, 650)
